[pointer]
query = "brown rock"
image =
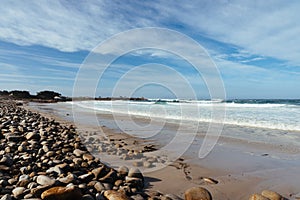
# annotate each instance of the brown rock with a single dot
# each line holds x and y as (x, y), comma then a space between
(62, 193)
(258, 197)
(87, 157)
(99, 172)
(110, 177)
(114, 195)
(271, 195)
(197, 193)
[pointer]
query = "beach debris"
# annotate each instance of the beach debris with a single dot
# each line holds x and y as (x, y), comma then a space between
(265, 154)
(209, 180)
(197, 193)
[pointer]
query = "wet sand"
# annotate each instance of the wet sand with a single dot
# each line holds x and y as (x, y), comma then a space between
(239, 167)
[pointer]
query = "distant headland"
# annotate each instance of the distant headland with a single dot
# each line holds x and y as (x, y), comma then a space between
(47, 96)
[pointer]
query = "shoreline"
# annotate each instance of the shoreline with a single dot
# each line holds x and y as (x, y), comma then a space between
(249, 168)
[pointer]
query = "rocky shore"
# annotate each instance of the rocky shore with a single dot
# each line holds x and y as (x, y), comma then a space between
(44, 159)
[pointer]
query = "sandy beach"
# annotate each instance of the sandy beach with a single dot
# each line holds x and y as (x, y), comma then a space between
(235, 168)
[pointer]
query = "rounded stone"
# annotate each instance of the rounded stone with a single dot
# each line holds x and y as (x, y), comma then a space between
(114, 195)
(78, 152)
(197, 193)
(62, 193)
(135, 172)
(45, 180)
(6, 197)
(258, 197)
(18, 191)
(271, 195)
(99, 187)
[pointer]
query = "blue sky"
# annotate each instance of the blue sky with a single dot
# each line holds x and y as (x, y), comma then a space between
(255, 45)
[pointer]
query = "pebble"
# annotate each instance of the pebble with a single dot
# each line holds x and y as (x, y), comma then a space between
(271, 195)
(6, 160)
(6, 197)
(135, 172)
(114, 195)
(138, 163)
(110, 177)
(78, 152)
(68, 179)
(99, 172)
(123, 171)
(18, 191)
(87, 157)
(99, 187)
(147, 164)
(45, 180)
(62, 193)
(87, 197)
(32, 136)
(258, 197)
(197, 193)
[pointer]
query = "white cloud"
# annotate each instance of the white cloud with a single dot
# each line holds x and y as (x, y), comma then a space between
(267, 28)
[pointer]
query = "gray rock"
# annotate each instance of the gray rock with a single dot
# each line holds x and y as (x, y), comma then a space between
(134, 172)
(45, 180)
(23, 177)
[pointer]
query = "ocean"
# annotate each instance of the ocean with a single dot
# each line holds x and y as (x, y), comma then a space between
(267, 121)
(271, 114)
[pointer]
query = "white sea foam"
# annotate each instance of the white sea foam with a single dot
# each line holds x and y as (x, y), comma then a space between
(263, 115)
